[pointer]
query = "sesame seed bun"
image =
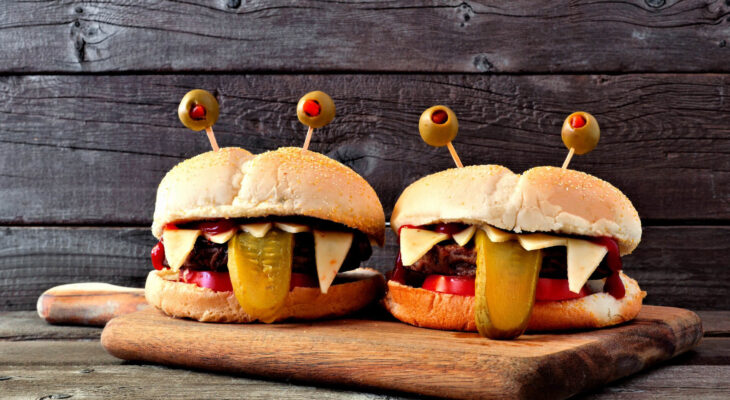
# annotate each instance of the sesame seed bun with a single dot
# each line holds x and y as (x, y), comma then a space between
(429, 309)
(233, 183)
(542, 199)
(186, 300)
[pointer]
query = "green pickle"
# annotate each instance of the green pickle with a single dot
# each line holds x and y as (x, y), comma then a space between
(260, 270)
(505, 287)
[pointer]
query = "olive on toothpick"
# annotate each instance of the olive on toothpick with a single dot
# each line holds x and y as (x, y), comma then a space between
(198, 110)
(315, 110)
(438, 127)
(580, 134)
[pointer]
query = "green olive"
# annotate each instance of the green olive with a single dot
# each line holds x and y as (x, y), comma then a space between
(438, 126)
(581, 132)
(198, 110)
(316, 109)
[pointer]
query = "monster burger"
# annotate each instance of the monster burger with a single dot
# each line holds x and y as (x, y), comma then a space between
(482, 248)
(481, 245)
(266, 237)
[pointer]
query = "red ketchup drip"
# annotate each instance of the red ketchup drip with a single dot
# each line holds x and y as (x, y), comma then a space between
(398, 274)
(409, 227)
(170, 227)
(614, 286)
(450, 228)
(158, 256)
(216, 227)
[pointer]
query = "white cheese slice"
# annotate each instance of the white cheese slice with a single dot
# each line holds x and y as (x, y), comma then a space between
(536, 241)
(257, 230)
(497, 235)
(292, 228)
(463, 237)
(330, 250)
(220, 238)
(178, 244)
(414, 243)
(583, 259)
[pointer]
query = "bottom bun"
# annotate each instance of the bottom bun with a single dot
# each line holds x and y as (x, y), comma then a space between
(428, 309)
(186, 300)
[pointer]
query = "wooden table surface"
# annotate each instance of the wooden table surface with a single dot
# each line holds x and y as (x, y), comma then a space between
(42, 361)
(89, 89)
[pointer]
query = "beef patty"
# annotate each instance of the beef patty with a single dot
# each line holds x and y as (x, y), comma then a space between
(454, 260)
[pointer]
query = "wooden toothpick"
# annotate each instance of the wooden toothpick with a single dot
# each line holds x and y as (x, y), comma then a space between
(567, 159)
(455, 156)
(308, 139)
(211, 138)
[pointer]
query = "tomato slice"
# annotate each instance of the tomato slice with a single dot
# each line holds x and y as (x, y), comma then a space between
(555, 290)
(461, 285)
(221, 281)
(217, 281)
(302, 280)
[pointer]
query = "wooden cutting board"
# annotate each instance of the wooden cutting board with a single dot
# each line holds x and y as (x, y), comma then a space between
(393, 356)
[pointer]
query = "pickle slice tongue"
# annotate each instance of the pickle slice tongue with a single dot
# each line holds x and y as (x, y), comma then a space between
(260, 270)
(505, 286)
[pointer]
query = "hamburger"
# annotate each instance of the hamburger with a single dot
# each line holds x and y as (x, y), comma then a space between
(549, 241)
(268, 237)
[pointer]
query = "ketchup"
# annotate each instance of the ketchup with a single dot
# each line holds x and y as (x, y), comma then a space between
(170, 227)
(398, 274)
(216, 227)
(409, 227)
(613, 285)
(450, 228)
(158, 256)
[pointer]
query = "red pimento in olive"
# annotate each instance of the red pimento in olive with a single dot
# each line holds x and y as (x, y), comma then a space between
(439, 117)
(197, 112)
(577, 121)
(312, 108)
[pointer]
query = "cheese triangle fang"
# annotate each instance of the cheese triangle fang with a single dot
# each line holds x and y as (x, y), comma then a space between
(415, 243)
(583, 259)
(463, 237)
(178, 244)
(257, 230)
(330, 251)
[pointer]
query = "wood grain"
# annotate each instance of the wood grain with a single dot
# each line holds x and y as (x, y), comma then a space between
(88, 303)
(92, 149)
(33, 260)
(390, 355)
(41, 359)
(123, 382)
(372, 35)
(27, 326)
(679, 266)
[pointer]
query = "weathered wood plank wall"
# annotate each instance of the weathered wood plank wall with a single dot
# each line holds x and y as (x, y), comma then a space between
(88, 93)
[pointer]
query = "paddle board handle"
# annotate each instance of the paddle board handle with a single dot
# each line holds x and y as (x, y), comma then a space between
(88, 303)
